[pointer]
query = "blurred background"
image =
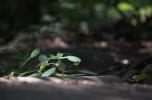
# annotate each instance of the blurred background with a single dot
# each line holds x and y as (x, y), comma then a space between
(77, 20)
(101, 31)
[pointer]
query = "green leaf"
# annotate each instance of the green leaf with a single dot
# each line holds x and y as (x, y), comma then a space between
(123, 6)
(59, 55)
(139, 77)
(60, 74)
(12, 74)
(43, 58)
(49, 72)
(35, 53)
(42, 67)
(87, 72)
(73, 58)
(52, 57)
(61, 66)
(45, 63)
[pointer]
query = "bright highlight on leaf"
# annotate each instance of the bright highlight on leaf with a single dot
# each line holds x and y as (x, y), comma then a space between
(59, 55)
(42, 67)
(49, 72)
(73, 58)
(35, 53)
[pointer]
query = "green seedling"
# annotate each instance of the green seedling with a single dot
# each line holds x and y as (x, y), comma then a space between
(52, 65)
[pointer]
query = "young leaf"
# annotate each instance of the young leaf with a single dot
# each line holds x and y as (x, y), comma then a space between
(73, 58)
(35, 53)
(60, 74)
(42, 67)
(49, 72)
(43, 58)
(59, 55)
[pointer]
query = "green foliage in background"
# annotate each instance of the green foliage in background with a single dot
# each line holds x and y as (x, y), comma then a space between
(90, 15)
(91, 11)
(84, 16)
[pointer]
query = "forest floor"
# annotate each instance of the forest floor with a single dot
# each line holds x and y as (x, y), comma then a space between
(111, 57)
(113, 61)
(75, 88)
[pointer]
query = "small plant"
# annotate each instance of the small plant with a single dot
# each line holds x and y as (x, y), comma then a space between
(51, 65)
(138, 78)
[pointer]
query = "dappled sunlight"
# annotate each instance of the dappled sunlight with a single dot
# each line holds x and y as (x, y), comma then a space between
(76, 49)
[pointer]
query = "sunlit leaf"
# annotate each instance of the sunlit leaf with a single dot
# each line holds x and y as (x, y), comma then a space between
(73, 58)
(60, 74)
(35, 53)
(12, 74)
(124, 6)
(42, 67)
(49, 72)
(59, 55)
